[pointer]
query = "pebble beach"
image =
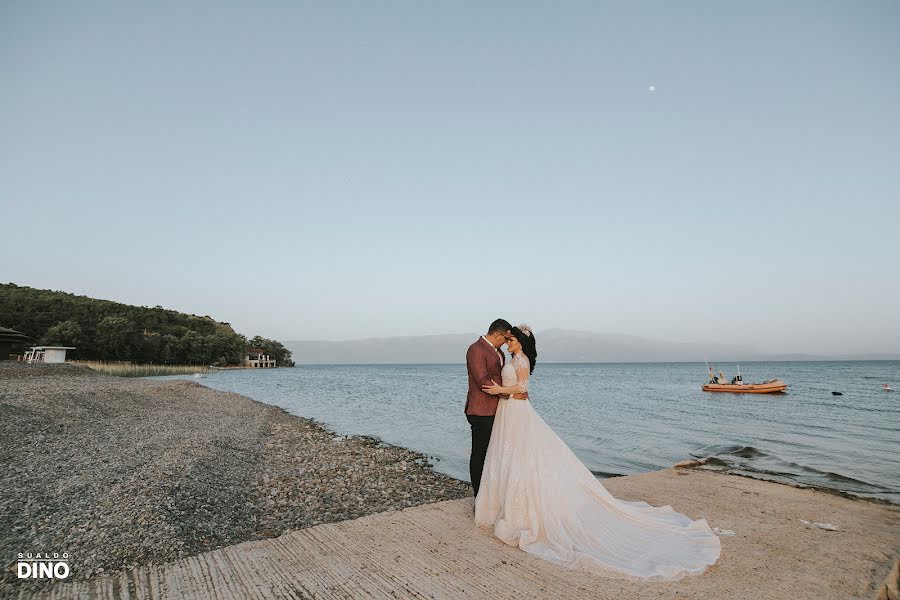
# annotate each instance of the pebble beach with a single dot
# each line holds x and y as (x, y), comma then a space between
(119, 472)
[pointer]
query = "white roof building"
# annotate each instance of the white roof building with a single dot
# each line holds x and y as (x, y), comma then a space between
(47, 354)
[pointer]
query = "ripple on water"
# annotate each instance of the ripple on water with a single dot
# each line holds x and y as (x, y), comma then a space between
(625, 418)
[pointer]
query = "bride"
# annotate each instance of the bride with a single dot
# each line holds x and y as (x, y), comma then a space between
(537, 495)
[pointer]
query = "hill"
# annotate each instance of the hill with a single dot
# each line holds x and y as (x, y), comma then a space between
(107, 330)
(554, 345)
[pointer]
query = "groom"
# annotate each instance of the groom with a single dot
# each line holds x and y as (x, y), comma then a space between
(484, 359)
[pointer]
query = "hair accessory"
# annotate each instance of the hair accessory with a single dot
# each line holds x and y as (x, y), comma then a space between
(526, 329)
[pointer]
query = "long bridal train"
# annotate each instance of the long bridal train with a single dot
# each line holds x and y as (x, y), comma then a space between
(537, 495)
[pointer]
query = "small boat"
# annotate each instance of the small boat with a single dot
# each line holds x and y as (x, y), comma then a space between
(771, 386)
(886, 387)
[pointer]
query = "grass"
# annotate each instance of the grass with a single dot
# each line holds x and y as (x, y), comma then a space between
(129, 369)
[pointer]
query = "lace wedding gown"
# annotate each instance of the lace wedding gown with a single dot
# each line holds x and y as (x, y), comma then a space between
(537, 495)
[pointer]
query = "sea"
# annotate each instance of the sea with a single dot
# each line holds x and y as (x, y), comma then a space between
(624, 418)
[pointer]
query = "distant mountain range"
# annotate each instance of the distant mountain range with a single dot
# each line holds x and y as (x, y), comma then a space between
(554, 346)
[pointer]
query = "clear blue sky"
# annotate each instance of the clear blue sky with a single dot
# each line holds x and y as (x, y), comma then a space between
(344, 170)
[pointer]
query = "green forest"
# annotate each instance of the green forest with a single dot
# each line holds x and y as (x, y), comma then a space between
(107, 330)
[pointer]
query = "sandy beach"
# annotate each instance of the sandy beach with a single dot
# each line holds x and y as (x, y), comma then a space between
(149, 484)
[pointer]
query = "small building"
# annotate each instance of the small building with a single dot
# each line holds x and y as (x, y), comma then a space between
(47, 354)
(256, 358)
(9, 338)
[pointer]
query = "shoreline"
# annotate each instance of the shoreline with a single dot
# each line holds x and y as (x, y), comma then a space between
(605, 362)
(803, 486)
(148, 472)
(835, 477)
(807, 436)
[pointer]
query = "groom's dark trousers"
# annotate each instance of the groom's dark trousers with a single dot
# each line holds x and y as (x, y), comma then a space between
(481, 437)
(483, 362)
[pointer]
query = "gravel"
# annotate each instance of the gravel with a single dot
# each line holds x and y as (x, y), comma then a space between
(120, 472)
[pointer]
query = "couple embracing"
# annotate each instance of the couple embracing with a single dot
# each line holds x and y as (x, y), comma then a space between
(535, 493)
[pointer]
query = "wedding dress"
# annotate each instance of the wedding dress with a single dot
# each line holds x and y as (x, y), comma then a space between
(537, 495)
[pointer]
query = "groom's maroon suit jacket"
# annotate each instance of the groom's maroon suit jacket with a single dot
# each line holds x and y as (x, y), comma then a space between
(483, 362)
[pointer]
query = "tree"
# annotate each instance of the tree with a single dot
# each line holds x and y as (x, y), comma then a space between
(273, 348)
(227, 348)
(116, 336)
(169, 349)
(195, 348)
(64, 333)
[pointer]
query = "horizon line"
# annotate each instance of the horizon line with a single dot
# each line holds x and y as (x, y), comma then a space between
(623, 362)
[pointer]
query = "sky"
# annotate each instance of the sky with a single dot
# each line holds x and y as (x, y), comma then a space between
(341, 170)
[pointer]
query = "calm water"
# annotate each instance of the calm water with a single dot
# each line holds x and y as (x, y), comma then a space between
(625, 418)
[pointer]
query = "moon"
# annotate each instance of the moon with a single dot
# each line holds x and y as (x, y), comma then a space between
(652, 88)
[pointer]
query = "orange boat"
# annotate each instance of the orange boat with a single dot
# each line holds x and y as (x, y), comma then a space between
(772, 386)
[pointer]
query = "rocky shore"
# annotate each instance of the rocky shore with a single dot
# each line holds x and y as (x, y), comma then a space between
(119, 472)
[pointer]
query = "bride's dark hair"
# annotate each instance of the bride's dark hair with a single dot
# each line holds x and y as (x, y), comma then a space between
(529, 346)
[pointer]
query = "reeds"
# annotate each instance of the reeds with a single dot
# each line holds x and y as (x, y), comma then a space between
(129, 369)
